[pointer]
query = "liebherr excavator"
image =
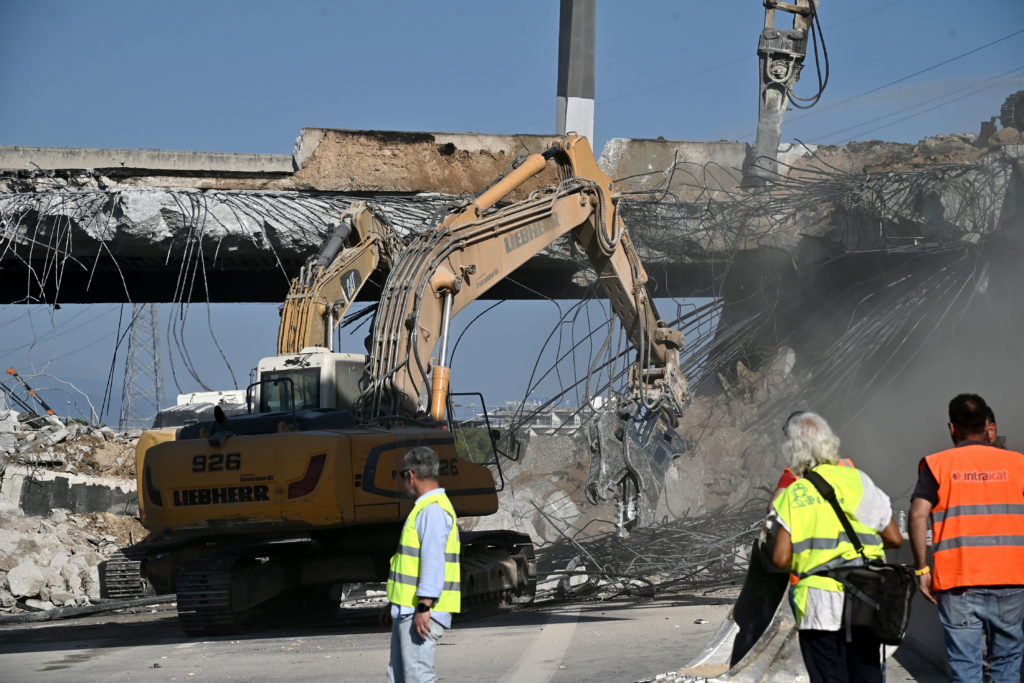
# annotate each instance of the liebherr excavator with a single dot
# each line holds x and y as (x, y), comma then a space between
(251, 511)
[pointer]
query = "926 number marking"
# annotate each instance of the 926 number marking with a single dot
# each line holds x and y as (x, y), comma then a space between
(448, 466)
(216, 462)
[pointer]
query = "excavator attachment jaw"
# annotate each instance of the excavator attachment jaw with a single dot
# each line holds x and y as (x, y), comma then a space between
(631, 450)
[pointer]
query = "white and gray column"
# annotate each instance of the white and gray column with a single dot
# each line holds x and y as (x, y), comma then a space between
(576, 38)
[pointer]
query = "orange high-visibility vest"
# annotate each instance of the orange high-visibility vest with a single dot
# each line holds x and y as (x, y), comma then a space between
(978, 523)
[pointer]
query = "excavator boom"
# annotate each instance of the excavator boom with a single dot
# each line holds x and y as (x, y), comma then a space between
(476, 247)
(330, 282)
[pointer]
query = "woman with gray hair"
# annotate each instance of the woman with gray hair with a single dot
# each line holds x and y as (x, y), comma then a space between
(809, 442)
(811, 539)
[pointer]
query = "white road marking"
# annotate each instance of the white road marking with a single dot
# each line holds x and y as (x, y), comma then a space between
(539, 663)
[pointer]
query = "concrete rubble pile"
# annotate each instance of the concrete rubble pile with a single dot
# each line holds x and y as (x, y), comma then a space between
(67, 503)
(729, 470)
(30, 438)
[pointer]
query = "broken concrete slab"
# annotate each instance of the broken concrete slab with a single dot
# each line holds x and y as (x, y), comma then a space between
(55, 435)
(38, 491)
(17, 158)
(396, 161)
(683, 170)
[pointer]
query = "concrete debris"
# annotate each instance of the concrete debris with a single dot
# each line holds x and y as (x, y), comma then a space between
(45, 441)
(49, 563)
(25, 579)
(67, 502)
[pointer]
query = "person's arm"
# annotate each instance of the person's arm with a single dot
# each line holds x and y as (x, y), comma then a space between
(891, 535)
(782, 554)
(920, 509)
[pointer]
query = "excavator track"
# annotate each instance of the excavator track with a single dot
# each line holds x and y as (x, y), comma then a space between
(499, 569)
(122, 576)
(204, 597)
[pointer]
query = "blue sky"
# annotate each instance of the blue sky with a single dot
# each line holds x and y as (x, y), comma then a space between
(245, 77)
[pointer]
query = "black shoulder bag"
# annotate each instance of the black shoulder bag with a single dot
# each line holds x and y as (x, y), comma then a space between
(878, 594)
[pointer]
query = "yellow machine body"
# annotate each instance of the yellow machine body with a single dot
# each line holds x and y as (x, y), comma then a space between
(294, 481)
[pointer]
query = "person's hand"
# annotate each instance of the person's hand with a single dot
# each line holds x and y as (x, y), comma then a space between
(421, 621)
(924, 582)
(385, 616)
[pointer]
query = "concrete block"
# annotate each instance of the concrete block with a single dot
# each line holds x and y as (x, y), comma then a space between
(8, 442)
(62, 597)
(371, 161)
(26, 579)
(40, 604)
(59, 560)
(8, 420)
(37, 492)
(72, 575)
(41, 458)
(55, 435)
(648, 165)
(31, 419)
(91, 583)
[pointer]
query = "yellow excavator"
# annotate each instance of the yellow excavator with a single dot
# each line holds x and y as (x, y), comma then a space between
(248, 513)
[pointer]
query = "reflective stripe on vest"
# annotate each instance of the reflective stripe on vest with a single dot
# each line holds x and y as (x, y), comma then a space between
(978, 522)
(403, 579)
(819, 541)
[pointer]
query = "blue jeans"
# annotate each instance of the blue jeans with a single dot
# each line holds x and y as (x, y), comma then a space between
(975, 614)
(412, 657)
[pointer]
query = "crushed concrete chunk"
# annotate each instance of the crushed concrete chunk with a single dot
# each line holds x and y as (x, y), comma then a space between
(25, 579)
(62, 597)
(59, 516)
(55, 435)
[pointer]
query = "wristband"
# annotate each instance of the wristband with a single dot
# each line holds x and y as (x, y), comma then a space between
(922, 571)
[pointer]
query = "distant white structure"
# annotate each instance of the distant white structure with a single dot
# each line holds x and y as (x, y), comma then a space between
(529, 417)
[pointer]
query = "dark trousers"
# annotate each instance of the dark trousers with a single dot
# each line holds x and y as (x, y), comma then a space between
(830, 659)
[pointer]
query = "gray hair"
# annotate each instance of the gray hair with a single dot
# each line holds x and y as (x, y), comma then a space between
(809, 442)
(423, 461)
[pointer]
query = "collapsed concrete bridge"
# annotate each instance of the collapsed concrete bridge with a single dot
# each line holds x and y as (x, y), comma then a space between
(80, 226)
(865, 233)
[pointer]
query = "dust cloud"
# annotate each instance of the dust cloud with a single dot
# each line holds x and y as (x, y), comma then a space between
(976, 348)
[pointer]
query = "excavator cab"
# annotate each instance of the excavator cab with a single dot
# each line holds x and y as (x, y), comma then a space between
(317, 378)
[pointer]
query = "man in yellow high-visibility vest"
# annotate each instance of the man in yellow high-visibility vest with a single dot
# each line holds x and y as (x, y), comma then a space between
(423, 586)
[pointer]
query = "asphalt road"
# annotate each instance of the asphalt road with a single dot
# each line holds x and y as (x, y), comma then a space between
(620, 640)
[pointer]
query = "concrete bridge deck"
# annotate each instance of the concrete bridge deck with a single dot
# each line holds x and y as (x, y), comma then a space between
(151, 225)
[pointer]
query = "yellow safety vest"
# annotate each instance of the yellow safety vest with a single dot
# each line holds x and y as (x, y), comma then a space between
(405, 564)
(819, 541)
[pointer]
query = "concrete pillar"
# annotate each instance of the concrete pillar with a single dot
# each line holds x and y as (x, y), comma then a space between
(576, 38)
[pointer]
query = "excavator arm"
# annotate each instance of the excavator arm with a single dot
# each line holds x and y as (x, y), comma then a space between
(475, 248)
(318, 298)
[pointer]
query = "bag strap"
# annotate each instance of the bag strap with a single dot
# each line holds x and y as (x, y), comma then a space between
(829, 494)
